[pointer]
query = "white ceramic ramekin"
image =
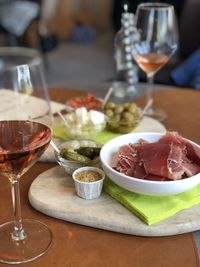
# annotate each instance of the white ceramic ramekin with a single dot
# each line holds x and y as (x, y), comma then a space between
(88, 190)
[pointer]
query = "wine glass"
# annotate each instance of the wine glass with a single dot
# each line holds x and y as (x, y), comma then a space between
(157, 42)
(25, 118)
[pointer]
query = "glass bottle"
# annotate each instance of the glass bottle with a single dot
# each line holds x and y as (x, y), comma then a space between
(127, 70)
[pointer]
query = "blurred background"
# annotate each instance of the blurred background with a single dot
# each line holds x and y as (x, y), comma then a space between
(76, 37)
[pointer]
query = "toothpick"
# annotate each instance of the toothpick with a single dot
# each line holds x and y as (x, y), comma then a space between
(62, 117)
(107, 96)
(148, 105)
(54, 146)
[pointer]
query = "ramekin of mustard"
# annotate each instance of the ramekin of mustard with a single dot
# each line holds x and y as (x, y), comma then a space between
(88, 182)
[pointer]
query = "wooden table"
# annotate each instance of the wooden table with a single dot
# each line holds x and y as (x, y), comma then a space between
(81, 246)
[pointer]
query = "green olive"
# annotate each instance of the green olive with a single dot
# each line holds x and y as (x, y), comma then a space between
(109, 113)
(132, 108)
(126, 105)
(118, 109)
(112, 125)
(110, 105)
(124, 129)
(114, 122)
(116, 118)
(127, 116)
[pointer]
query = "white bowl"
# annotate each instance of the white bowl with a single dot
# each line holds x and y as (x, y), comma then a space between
(108, 157)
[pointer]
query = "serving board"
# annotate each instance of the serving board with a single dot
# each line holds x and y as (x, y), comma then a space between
(53, 193)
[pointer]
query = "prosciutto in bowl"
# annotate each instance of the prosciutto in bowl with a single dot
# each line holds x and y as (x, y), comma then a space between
(152, 163)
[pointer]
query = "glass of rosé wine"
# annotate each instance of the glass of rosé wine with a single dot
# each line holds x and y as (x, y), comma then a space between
(157, 42)
(25, 120)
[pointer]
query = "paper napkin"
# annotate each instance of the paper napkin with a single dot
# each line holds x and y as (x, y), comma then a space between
(152, 209)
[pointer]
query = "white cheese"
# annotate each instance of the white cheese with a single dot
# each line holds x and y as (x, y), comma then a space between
(96, 117)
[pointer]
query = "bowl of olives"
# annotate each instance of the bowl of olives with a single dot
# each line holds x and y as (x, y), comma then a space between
(122, 118)
(74, 154)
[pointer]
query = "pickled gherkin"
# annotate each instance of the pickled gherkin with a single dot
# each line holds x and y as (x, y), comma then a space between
(72, 155)
(82, 151)
(90, 152)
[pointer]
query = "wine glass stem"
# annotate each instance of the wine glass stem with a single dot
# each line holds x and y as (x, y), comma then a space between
(18, 233)
(149, 98)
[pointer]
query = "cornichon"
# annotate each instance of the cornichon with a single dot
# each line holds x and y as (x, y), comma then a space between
(72, 155)
(90, 152)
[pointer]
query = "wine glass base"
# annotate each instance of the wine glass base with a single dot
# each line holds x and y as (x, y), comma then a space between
(38, 241)
(156, 114)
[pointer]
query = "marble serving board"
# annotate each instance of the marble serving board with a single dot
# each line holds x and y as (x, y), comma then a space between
(53, 194)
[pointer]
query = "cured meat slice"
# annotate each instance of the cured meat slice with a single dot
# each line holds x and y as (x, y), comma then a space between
(170, 158)
(162, 160)
(173, 137)
(174, 162)
(129, 161)
(191, 154)
(177, 139)
(190, 169)
(154, 157)
(191, 161)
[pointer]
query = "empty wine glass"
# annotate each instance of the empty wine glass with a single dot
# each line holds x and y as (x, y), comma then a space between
(25, 118)
(157, 42)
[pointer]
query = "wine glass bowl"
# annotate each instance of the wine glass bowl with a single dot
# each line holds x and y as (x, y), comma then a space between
(157, 42)
(10, 58)
(21, 144)
(23, 89)
(25, 120)
(150, 62)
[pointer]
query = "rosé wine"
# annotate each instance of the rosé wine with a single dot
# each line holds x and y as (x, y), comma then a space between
(21, 144)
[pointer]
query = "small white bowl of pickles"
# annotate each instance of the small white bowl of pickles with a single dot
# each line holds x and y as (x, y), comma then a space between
(74, 154)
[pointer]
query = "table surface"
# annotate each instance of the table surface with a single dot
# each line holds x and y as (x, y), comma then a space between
(81, 246)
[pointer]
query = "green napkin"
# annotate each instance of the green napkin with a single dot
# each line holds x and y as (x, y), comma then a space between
(100, 137)
(152, 209)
